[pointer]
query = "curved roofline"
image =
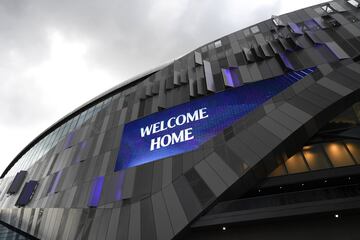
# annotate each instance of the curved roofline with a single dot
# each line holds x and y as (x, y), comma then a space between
(100, 97)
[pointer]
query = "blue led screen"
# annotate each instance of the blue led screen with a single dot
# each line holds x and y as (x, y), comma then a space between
(187, 126)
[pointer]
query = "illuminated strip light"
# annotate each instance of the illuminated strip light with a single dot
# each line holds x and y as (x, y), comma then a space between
(95, 193)
(295, 28)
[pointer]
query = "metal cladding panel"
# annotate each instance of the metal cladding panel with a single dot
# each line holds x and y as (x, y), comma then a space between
(17, 182)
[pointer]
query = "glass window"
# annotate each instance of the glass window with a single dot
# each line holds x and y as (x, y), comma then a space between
(354, 148)
(296, 164)
(338, 155)
(54, 138)
(81, 120)
(315, 157)
(73, 122)
(279, 171)
(98, 106)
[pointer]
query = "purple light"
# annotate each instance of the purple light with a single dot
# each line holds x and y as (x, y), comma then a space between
(95, 193)
(230, 78)
(311, 24)
(286, 61)
(295, 28)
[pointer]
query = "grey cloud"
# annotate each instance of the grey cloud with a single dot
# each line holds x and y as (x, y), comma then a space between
(124, 37)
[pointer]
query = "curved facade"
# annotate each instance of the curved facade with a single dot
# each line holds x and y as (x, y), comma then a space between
(244, 137)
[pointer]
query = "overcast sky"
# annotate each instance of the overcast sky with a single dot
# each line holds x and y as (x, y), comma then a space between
(56, 55)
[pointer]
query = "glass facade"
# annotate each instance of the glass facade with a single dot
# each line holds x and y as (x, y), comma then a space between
(60, 133)
(334, 146)
(7, 234)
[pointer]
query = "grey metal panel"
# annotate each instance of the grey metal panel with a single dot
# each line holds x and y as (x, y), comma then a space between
(198, 58)
(25, 219)
(275, 67)
(209, 77)
(51, 221)
(254, 71)
(284, 120)
(177, 216)
(265, 135)
(111, 188)
(200, 81)
(243, 152)
(104, 224)
(67, 223)
(113, 224)
(187, 197)
(167, 172)
(162, 220)
(148, 229)
(260, 39)
(134, 222)
(123, 227)
(295, 112)
(98, 144)
(337, 50)
(245, 74)
(76, 221)
(325, 68)
(57, 222)
(33, 226)
(210, 177)
(231, 58)
(42, 227)
(143, 180)
(129, 182)
(305, 105)
(324, 92)
(274, 127)
(222, 169)
(354, 67)
(334, 86)
(158, 173)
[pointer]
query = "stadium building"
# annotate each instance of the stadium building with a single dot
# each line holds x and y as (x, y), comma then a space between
(255, 135)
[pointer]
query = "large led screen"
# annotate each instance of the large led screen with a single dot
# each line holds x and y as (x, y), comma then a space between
(187, 126)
